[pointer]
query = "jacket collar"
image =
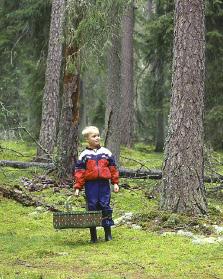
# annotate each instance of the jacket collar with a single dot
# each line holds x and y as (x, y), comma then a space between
(88, 148)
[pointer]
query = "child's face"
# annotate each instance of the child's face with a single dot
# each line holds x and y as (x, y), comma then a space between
(93, 140)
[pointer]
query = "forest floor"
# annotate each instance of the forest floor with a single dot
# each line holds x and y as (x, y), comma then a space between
(147, 243)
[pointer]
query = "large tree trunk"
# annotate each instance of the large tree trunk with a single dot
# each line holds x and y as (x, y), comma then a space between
(112, 114)
(50, 107)
(183, 172)
(69, 119)
(127, 86)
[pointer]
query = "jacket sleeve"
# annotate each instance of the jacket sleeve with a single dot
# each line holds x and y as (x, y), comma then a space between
(114, 170)
(79, 174)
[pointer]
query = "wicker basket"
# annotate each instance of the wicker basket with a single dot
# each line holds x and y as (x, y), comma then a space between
(77, 219)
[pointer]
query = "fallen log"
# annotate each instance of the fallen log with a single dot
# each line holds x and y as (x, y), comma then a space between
(139, 174)
(25, 165)
(157, 174)
(23, 198)
(124, 173)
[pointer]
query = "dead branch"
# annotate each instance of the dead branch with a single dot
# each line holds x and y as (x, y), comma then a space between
(136, 161)
(23, 128)
(19, 154)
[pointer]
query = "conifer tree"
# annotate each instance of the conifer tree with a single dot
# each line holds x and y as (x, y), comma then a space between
(183, 171)
(50, 103)
(127, 84)
(113, 103)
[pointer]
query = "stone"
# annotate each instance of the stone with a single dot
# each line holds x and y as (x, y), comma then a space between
(62, 254)
(204, 240)
(185, 233)
(136, 227)
(118, 220)
(168, 233)
(218, 229)
(40, 209)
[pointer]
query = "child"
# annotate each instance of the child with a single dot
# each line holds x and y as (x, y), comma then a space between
(93, 170)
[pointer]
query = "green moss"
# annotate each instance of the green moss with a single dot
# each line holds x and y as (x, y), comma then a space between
(31, 248)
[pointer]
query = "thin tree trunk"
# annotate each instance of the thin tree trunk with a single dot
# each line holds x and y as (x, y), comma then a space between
(159, 129)
(159, 80)
(127, 86)
(69, 120)
(149, 8)
(112, 114)
(50, 107)
(183, 171)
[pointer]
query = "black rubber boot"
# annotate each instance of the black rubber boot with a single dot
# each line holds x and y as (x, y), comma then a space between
(93, 233)
(108, 235)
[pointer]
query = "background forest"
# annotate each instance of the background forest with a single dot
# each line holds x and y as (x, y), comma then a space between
(65, 64)
(24, 38)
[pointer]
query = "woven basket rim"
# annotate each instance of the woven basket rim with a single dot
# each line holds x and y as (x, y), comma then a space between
(76, 212)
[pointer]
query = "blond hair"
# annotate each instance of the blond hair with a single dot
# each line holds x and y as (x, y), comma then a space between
(89, 130)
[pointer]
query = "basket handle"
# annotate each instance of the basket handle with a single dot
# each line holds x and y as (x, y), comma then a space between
(67, 204)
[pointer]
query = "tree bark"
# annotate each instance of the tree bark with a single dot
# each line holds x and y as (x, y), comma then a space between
(69, 119)
(183, 171)
(127, 86)
(112, 114)
(50, 107)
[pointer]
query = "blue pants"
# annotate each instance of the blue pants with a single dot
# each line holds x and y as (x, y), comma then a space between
(98, 196)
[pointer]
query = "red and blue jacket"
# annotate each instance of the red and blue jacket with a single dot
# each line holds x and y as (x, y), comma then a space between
(95, 164)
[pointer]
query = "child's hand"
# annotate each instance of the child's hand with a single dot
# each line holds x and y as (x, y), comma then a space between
(116, 188)
(76, 193)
